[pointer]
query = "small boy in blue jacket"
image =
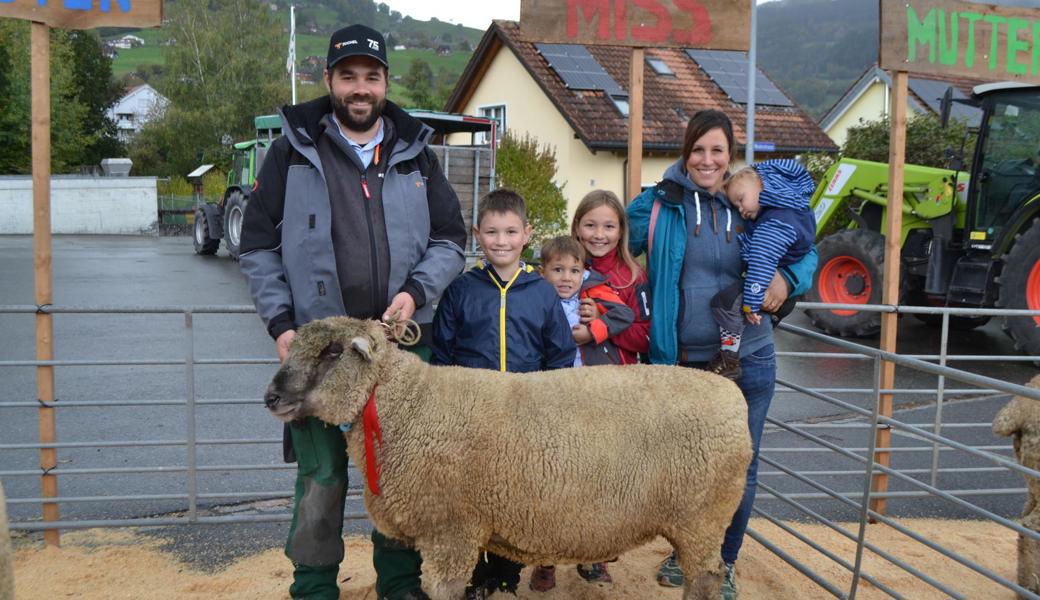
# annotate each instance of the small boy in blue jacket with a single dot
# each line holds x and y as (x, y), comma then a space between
(779, 230)
(501, 315)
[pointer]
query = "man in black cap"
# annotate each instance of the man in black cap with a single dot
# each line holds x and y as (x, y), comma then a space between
(335, 226)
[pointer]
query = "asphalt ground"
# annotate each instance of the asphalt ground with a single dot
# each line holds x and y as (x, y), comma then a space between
(163, 271)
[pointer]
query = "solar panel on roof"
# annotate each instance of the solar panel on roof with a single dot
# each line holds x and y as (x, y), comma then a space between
(729, 70)
(578, 69)
(931, 91)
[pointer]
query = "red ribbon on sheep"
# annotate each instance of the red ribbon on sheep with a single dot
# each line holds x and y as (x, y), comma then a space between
(373, 435)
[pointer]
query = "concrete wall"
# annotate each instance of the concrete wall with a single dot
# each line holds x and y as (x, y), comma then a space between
(102, 205)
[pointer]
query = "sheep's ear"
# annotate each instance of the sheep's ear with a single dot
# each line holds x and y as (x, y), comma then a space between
(362, 347)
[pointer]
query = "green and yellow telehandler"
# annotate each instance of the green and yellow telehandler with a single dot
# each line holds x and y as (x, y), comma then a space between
(968, 239)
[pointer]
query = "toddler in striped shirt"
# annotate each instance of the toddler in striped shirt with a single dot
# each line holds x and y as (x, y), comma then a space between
(779, 229)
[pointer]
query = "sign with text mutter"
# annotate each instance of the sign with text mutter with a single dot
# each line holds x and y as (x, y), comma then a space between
(709, 24)
(86, 14)
(952, 37)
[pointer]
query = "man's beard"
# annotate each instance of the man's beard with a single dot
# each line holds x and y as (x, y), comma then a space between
(339, 107)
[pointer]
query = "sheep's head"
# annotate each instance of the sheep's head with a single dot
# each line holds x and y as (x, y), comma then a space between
(1020, 416)
(331, 368)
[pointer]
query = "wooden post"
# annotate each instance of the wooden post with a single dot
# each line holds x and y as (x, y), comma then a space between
(634, 175)
(40, 51)
(890, 291)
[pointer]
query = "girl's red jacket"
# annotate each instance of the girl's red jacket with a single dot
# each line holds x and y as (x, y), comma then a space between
(636, 338)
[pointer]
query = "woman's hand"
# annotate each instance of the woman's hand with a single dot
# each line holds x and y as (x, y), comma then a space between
(581, 334)
(587, 311)
(776, 293)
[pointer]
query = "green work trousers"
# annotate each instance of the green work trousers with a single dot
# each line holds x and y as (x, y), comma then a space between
(315, 544)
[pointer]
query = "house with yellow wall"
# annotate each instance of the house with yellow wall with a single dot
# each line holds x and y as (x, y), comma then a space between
(574, 98)
(867, 99)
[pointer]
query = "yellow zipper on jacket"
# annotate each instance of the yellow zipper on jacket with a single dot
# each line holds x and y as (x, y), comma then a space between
(502, 313)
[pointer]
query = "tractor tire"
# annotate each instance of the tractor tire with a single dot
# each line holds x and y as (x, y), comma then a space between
(234, 211)
(851, 265)
(204, 244)
(1019, 287)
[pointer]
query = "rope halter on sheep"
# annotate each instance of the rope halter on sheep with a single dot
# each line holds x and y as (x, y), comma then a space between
(405, 332)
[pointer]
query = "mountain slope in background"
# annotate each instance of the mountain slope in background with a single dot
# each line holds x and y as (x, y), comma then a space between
(816, 49)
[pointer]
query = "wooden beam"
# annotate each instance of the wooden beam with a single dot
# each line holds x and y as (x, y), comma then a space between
(634, 176)
(40, 52)
(890, 290)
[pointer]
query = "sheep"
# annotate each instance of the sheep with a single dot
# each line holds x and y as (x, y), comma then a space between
(1020, 419)
(558, 467)
(6, 558)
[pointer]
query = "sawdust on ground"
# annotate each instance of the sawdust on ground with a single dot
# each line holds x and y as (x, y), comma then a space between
(97, 564)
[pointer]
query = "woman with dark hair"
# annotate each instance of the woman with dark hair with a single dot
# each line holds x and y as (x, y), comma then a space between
(688, 229)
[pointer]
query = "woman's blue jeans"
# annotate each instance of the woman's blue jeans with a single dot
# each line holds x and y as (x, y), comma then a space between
(757, 381)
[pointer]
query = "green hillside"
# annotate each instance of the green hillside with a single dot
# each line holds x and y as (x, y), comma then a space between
(816, 49)
(315, 22)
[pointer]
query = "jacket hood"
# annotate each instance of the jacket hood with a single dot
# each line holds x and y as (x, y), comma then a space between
(595, 278)
(785, 184)
(304, 121)
(527, 274)
(676, 174)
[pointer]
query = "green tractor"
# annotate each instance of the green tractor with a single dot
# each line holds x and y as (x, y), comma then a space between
(970, 240)
(223, 220)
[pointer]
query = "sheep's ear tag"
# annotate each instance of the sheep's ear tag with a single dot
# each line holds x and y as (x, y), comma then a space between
(361, 345)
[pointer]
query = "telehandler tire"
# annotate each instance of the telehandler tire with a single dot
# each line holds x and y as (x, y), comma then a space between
(849, 272)
(204, 244)
(1019, 287)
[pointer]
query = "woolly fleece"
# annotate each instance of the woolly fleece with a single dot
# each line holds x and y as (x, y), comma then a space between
(557, 467)
(1020, 419)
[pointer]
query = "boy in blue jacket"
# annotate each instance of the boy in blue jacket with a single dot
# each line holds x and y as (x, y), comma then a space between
(779, 230)
(501, 315)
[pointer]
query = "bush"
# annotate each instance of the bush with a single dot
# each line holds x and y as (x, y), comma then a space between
(926, 141)
(213, 184)
(529, 170)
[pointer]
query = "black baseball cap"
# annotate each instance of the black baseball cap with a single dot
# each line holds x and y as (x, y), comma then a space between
(356, 40)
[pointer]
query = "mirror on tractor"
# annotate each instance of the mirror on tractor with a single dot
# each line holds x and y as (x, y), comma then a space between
(945, 107)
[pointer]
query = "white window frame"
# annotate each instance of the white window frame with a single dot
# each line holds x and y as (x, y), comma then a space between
(489, 110)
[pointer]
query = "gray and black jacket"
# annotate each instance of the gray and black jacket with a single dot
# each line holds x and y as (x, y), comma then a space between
(406, 236)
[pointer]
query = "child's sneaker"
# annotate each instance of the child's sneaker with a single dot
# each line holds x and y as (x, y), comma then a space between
(543, 579)
(485, 591)
(669, 574)
(729, 582)
(727, 364)
(596, 573)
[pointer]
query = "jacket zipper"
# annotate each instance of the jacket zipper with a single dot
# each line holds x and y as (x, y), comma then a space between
(376, 306)
(502, 314)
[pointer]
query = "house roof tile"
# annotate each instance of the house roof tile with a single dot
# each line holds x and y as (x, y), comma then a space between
(668, 101)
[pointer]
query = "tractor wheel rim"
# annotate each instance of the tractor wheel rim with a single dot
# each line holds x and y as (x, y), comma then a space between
(235, 225)
(834, 280)
(1033, 290)
(199, 237)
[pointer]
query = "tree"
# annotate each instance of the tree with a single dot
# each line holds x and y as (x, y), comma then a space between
(67, 111)
(926, 140)
(529, 170)
(419, 81)
(97, 92)
(228, 66)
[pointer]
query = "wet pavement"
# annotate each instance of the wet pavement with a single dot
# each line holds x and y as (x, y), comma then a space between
(154, 271)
